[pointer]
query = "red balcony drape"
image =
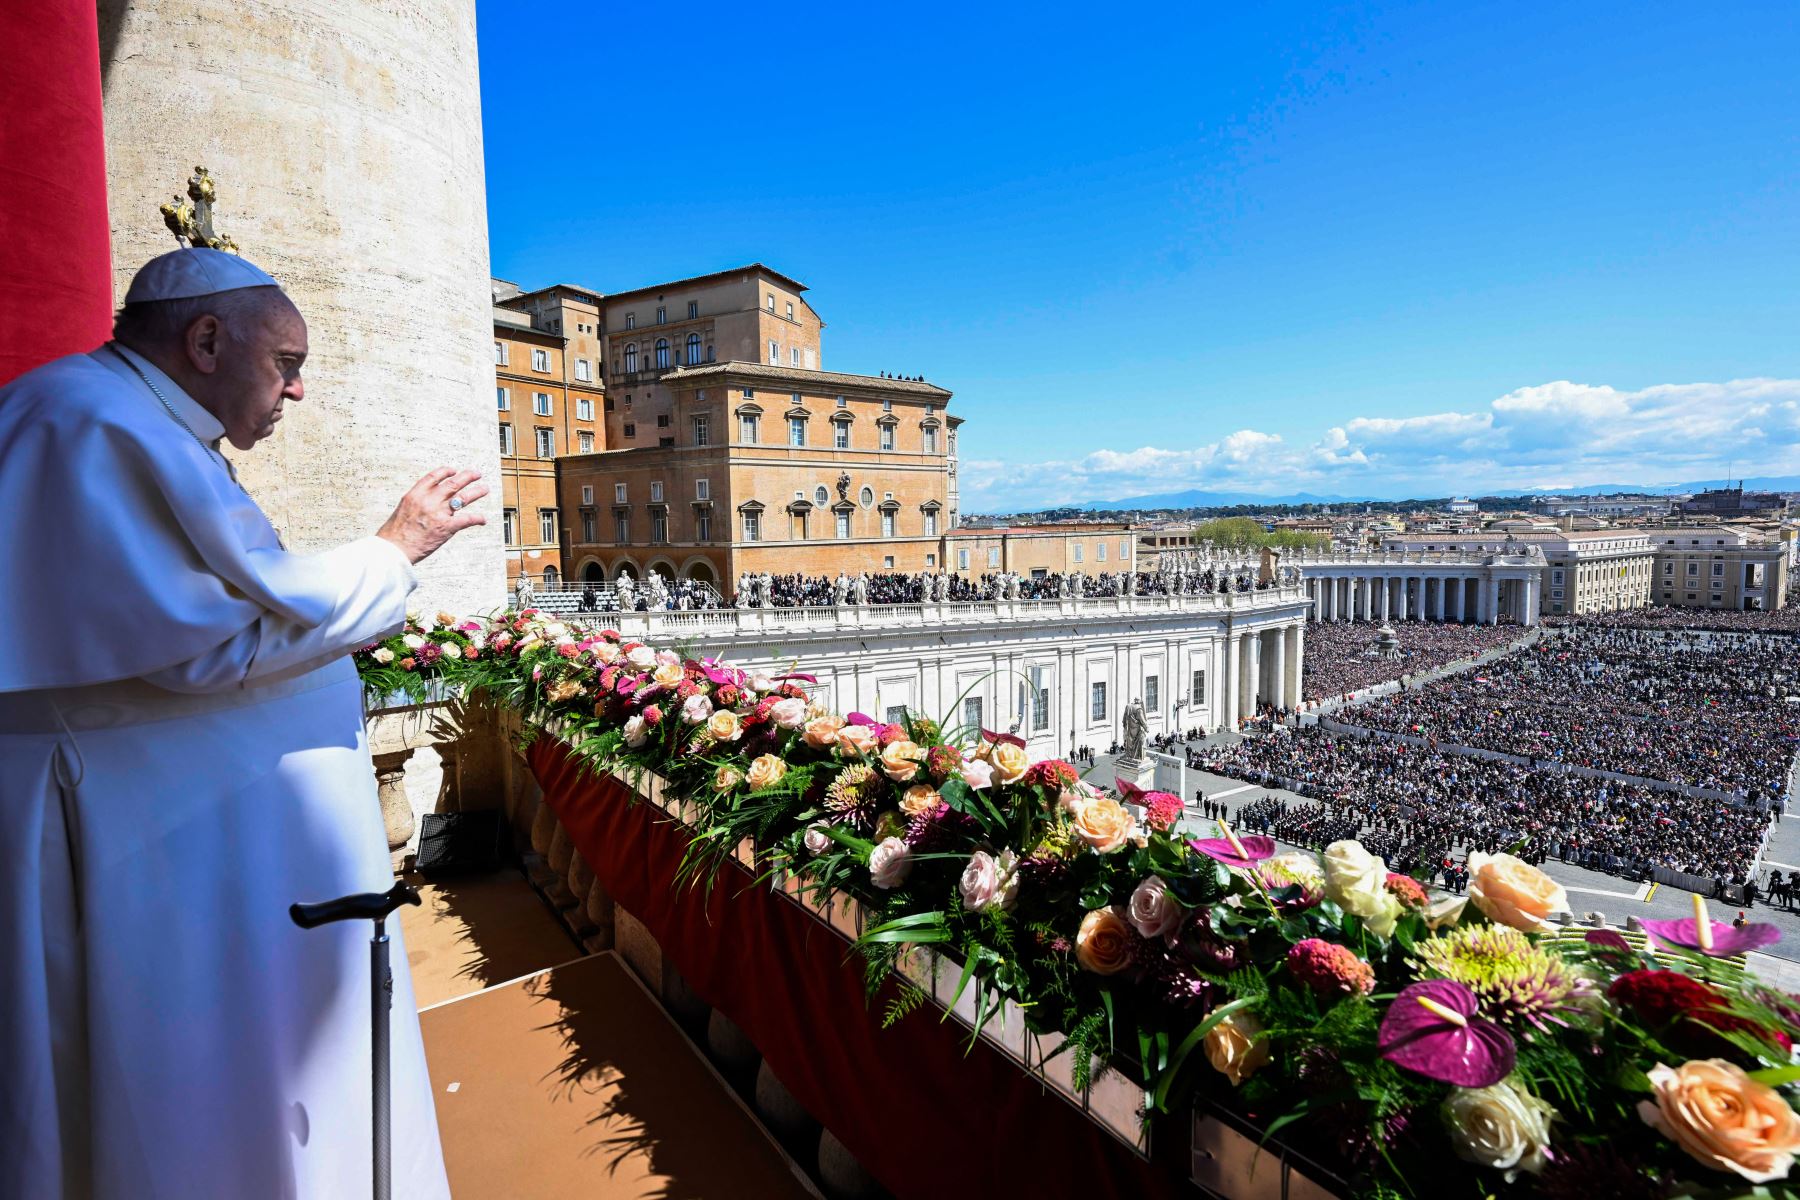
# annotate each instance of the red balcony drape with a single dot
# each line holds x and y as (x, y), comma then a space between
(922, 1115)
(55, 254)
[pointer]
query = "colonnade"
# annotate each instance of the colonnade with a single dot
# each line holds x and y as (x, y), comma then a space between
(1263, 667)
(1473, 598)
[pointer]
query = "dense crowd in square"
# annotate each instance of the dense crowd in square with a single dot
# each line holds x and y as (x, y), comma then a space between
(1338, 659)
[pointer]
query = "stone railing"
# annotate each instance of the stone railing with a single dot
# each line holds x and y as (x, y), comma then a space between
(767, 621)
(1529, 556)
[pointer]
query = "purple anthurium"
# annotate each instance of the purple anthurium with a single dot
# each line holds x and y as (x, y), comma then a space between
(988, 735)
(797, 675)
(1239, 852)
(1432, 1029)
(1609, 940)
(1725, 940)
(857, 718)
(628, 684)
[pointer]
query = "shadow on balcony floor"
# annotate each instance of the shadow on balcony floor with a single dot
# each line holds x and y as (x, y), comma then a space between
(574, 1082)
(475, 931)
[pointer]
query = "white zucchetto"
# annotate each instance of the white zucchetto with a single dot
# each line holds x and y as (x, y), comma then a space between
(194, 271)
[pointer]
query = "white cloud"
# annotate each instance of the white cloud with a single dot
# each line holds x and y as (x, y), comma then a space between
(1551, 435)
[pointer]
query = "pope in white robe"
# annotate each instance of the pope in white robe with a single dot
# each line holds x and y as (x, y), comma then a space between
(182, 757)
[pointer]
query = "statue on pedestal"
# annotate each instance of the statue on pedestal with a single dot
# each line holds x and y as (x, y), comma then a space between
(1136, 729)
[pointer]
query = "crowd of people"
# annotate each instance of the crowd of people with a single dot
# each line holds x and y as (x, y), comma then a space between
(1418, 803)
(1687, 708)
(1341, 659)
(1783, 620)
(822, 591)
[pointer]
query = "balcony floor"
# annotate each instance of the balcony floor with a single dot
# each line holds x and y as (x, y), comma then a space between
(556, 1074)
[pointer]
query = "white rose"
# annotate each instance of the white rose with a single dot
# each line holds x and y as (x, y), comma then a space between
(977, 774)
(889, 863)
(789, 713)
(634, 732)
(383, 655)
(413, 641)
(1153, 912)
(763, 683)
(478, 641)
(1499, 1127)
(1357, 882)
(451, 650)
(696, 709)
(641, 657)
(556, 630)
(817, 840)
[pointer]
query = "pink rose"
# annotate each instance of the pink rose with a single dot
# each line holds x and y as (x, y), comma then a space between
(900, 760)
(816, 839)
(789, 713)
(889, 863)
(1153, 912)
(855, 741)
(696, 709)
(821, 732)
(990, 881)
(977, 774)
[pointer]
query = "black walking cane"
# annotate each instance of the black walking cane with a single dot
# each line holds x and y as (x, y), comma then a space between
(370, 906)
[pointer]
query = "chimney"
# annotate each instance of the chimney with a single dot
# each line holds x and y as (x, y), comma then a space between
(1568, 523)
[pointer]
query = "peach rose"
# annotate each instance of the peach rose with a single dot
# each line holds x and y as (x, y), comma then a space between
(667, 674)
(919, 800)
(1102, 823)
(1233, 1048)
(606, 652)
(765, 771)
(1509, 891)
(1105, 944)
(900, 760)
(854, 740)
(1009, 762)
(1723, 1119)
(822, 731)
(724, 779)
(724, 725)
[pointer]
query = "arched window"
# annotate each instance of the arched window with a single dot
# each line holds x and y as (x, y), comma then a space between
(693, 348)
(631, 358)
(662, 354)
(550, 577)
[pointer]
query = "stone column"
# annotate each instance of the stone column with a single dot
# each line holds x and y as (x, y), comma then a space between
(1247, 675)
(1443, 598)
(390, 789)
(1278, 667)
(1296, 638)
(1493, 602)
(1225, 682)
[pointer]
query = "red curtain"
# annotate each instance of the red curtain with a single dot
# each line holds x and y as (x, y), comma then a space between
(55, 258)
(920, 1114)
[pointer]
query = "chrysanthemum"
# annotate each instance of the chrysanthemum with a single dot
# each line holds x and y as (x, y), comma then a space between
(938, 828)
(1514, 980)
(854, 793)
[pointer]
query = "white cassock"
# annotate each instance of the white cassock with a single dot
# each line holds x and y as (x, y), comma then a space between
(181, 758)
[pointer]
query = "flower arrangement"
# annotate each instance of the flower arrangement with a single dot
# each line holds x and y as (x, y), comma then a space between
(1419, 1045)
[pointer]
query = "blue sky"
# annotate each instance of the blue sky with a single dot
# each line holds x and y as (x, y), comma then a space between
(1377, 249)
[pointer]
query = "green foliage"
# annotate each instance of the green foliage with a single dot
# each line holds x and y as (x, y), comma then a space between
(1244, 533)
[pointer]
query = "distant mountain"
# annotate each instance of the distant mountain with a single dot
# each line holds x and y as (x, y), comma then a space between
(1198, 499)
(1203, 499)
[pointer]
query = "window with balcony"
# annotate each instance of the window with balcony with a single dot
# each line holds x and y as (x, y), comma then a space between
(540, 360)
(887, 524)
(622, 528)
(752, 526)
(843, 524)
(506, 439)
(662, 354)
(702, 525)
(659, 525)
(796, 431)
(540, 403)
(546, 443)
(502, 400)
(702, 431)
(587, 526)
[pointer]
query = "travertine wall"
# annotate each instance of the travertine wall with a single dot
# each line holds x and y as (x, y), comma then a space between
(346, 143)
